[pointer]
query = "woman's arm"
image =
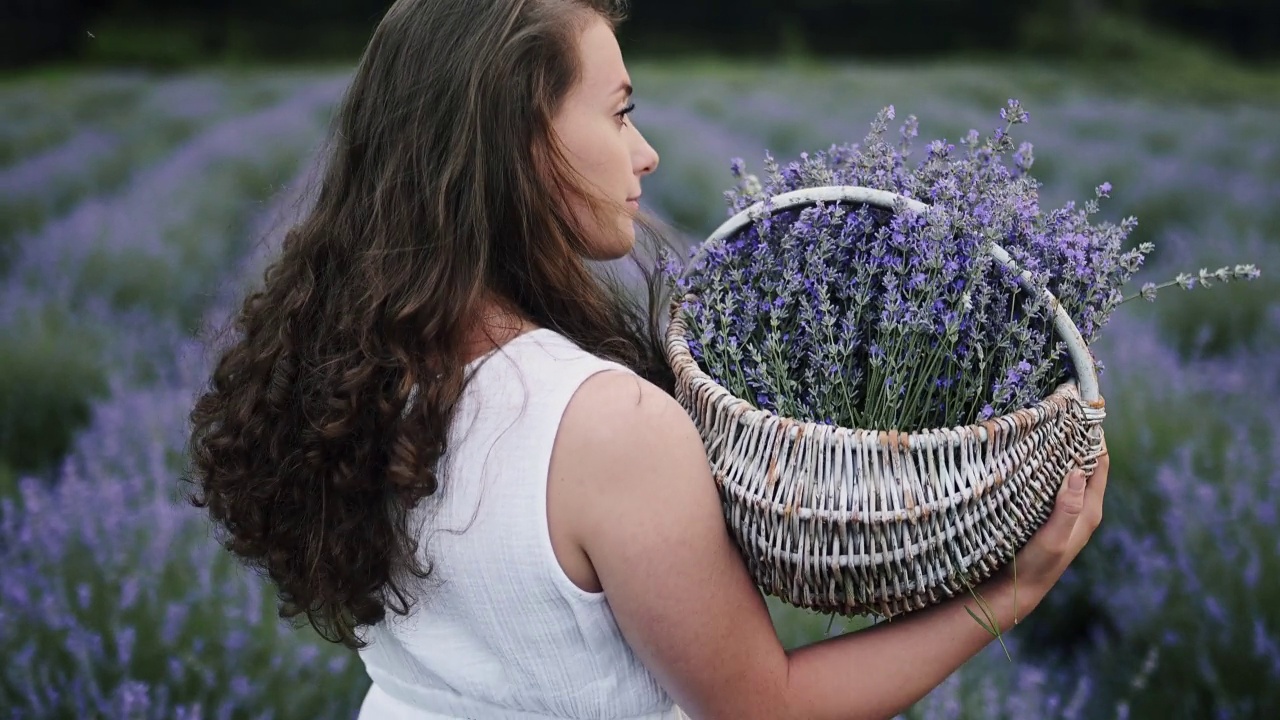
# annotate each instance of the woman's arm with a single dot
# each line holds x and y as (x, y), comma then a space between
(883, 670)
(647, 514)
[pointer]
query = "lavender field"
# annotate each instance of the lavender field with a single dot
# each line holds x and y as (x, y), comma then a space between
(134, 210)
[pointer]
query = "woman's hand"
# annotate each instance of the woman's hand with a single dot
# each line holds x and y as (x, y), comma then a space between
(1075, 517)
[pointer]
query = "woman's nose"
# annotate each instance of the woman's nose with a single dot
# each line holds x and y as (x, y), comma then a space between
(647, 160)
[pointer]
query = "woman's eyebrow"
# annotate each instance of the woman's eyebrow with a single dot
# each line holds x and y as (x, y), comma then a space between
(624, 88)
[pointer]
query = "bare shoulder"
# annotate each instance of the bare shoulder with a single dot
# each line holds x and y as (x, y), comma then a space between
(647, 516)
(617, 415)
(630, 458)
(627, 457)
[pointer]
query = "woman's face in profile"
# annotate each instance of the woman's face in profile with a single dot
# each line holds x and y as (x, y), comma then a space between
(602, 145)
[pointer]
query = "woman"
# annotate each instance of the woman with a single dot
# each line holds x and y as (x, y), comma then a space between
(452, 447)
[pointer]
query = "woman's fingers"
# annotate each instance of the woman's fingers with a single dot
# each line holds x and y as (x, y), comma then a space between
(1060, 527)
(1057, 542)
(1076, 514)
(1097, 486)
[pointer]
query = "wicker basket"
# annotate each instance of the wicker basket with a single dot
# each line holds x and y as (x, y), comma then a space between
(869, 521)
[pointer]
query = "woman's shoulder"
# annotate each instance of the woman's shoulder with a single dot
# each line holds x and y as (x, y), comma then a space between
(617, 419)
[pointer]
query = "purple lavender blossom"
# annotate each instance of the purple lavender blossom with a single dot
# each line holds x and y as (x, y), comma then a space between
(931, 332)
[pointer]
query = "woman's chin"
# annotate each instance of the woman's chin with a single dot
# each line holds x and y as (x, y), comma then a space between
(615, 248)
(609, 255)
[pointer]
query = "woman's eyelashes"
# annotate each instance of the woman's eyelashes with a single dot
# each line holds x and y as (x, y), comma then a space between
(622, 116)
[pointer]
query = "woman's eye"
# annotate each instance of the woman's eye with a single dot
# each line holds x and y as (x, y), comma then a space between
(626, 111)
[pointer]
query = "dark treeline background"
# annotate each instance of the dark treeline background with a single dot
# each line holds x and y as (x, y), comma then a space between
(164, 31)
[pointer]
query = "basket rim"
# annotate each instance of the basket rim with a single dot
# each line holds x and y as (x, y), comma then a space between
(686, 368)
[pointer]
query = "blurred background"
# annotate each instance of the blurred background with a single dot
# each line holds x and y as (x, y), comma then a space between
(155, 32)
(151, 155)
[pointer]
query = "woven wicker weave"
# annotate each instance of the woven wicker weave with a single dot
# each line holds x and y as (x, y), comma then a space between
(868, 521)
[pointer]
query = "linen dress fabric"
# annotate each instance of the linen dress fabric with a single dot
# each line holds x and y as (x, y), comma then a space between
(498, 631)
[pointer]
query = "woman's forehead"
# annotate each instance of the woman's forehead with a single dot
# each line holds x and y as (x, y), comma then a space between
(603, 71)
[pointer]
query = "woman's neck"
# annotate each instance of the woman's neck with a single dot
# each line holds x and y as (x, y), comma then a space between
(496, 324)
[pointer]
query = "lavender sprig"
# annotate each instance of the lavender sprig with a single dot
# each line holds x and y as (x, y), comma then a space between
(1204, 279)
(866, 317)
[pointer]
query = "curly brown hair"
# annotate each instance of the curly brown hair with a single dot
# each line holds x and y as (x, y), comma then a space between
(436, 193)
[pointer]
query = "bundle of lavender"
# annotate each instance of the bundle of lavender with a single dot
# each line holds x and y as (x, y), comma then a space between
(889, 362)
(864, 317)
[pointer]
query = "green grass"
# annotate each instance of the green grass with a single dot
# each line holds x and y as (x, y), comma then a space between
(49, 374)
(1211, 83)
(798, 627)
(8, 481)
(44, 108)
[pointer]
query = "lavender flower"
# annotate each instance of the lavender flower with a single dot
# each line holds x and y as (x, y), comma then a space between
(870, 318)
(1204, 279)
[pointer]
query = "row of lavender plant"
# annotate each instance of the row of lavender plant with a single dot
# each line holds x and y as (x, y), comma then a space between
(104, 140)
(129, 264)
(46, 110)
(162, 220)
(117, 602)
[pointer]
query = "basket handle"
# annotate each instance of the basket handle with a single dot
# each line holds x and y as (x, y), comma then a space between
(1081, 358)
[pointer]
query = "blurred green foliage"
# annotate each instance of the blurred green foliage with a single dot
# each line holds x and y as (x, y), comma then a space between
(157, 32)
(47, 384)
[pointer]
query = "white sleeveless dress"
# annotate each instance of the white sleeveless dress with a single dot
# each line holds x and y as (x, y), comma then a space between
(499, 632)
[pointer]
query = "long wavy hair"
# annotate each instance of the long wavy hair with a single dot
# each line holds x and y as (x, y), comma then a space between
(442, 186)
